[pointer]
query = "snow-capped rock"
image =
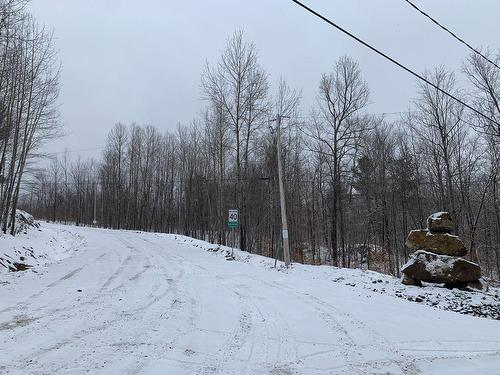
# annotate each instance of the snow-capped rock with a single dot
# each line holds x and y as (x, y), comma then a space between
(434, 268)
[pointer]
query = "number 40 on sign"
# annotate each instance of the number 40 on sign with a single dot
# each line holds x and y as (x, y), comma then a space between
(233, 218)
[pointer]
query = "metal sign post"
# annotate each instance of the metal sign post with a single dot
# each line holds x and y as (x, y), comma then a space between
(232, 223)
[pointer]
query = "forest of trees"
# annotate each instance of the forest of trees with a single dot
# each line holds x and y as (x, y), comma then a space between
(28, 93)
(355, 183)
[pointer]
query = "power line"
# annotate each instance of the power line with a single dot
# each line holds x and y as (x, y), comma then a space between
(379, 114)
(331, 23)
(76, 150)
(451, 33)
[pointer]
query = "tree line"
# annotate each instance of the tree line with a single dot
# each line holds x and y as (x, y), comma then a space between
(28, 94)
(355, 183)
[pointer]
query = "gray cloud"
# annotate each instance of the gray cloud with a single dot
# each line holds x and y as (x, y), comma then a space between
(137, 61)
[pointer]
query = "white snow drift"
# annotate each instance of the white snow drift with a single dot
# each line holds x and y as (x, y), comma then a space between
(33, 246)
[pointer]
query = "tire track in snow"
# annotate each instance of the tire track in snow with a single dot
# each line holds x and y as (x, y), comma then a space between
(105, 321)
(23, 305)
(349, 344)
(119, 270)
(151, 319)
(346, 323)
(404, 362)
(239, 336)
(56, 283)
(277, 329)
(66, 277)
(178, 307)
(346, 339)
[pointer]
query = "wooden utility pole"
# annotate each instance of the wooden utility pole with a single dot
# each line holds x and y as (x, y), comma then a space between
(284, 224)
(94, 220)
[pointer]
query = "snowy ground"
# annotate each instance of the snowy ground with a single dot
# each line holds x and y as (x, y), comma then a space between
(141, 303)
(34, 246)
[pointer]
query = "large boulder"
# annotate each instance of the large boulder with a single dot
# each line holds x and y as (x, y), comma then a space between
(434, 268)
(438, 243)
(440, 222)
(406, 280)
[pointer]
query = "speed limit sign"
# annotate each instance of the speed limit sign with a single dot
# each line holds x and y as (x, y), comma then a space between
(233, 219)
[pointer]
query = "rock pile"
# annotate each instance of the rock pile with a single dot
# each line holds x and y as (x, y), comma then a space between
(437, 258)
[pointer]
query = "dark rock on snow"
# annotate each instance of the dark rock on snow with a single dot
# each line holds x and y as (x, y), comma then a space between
(440, 222)
(407, 280)
(434, 268)
(478, 285)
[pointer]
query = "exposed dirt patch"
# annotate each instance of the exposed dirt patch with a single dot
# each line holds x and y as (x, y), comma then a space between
(21, 266)
(282, 370)
(18, 321)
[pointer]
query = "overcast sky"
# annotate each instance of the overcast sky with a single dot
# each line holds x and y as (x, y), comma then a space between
(126, 61)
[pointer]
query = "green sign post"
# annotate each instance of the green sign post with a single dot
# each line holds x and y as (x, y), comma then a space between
(233, 218)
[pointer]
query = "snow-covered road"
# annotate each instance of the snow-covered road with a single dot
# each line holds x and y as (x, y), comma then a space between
(143, 303)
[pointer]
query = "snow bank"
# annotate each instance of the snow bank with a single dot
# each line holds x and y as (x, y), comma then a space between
(24, 222)
(470, 302)
(35, 245)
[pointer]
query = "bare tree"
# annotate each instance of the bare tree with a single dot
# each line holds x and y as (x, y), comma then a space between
(335, 130)
(485, 79)
(439, 124)
(238, 86)
(28, 94)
